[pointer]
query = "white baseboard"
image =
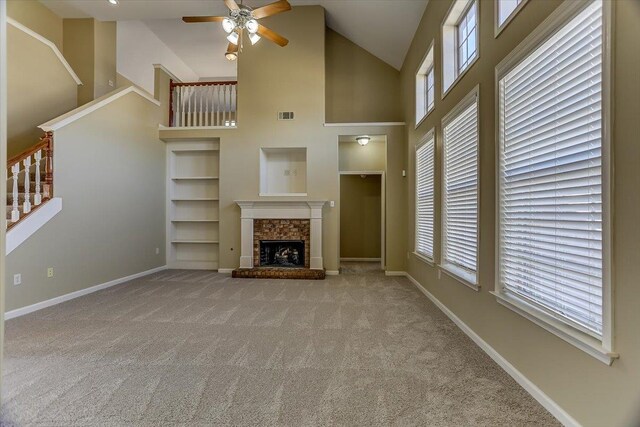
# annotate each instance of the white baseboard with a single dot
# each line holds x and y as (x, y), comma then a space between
(332, 272)
(57, 300)
(395, 273)
(226, 270)
(361, 259)
(542, 398)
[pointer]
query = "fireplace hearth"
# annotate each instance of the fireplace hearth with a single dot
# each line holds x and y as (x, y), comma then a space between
(282, 253)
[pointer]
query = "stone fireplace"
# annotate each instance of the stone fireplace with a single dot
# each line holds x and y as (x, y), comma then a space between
(283, 235)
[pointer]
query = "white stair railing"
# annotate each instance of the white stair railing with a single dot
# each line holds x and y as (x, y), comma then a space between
(23, 166)
(203, 104)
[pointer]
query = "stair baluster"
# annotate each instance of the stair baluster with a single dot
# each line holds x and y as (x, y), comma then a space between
(15, 212)
(26, 206)
(37, 197)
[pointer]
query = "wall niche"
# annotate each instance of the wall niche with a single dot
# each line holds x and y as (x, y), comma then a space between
(283, 171)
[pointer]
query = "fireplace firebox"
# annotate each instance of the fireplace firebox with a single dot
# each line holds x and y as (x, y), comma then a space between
(282, 253)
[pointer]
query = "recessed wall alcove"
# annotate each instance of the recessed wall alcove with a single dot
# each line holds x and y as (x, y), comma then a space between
(283, 171)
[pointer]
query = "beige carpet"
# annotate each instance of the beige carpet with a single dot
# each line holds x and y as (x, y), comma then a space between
(200, 348)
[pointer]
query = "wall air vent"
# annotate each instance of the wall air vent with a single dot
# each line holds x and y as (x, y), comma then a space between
(285, 115)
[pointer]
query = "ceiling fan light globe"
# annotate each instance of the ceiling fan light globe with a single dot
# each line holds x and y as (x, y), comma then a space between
(231, 56)
(228, 25)
(233, 38)
(254, 38)
(252, 26)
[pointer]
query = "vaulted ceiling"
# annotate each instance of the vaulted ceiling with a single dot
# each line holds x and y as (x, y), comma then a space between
(385, 28)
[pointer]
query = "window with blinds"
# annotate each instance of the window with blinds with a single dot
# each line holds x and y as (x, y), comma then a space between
(425, 166)
(550, 188)
(460, 207)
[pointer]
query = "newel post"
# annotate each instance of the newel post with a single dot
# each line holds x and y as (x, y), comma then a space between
(47, 188)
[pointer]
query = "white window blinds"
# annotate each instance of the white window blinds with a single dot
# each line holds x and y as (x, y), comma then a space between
(551, 174)
(460, 237)
(425, 158)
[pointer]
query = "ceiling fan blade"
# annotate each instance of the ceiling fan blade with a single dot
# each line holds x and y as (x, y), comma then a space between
(231, 4)
(232, 48)
(192, 19)
(271, 9)
(272, 35)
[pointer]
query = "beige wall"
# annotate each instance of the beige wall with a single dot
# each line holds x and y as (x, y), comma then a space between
(354, 157)
(273, 79)
(79, 41)
(3, 161)
(360, 87)
(591, 392)
(110, 173)
(162, 82)
(360, 216)
(105, 75)
(36, 93)
(36, 16)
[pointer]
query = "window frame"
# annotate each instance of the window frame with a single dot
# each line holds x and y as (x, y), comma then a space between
(450, 25)
(498, 27)
(422, 256)
(430, 53)
(599, 349)
(456, 272)
(461, 18)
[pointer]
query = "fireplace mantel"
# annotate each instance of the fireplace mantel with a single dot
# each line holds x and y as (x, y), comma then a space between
(288, 209)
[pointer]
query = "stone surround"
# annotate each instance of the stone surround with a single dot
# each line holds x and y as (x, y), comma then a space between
(281, 229)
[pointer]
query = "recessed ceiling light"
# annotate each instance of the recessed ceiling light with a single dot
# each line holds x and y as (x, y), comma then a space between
(113, 2)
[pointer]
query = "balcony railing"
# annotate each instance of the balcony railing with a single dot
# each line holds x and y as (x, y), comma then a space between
(203, 104)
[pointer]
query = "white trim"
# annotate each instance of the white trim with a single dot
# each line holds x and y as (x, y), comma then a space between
(92, 106)
(497, 27)
(47, 42)
(461, 275)
(282, 194)
(432, 67)
(395, 273)
(332, 272)
(328, 125)
(361, 172)
(559, 328)
(424, 258)
(63, 298)
(32, 223)
(165, 128)
(225, 270)
(163, 68)
(535, 392)
(361, 259)
(567, 331)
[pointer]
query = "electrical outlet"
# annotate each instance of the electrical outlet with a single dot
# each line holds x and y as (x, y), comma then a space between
(332, 204)
(50, 272)
(111, 83)
(17, 279)
(157, 251)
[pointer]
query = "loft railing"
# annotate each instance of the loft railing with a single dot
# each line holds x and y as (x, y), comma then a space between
(21, 169)
(202, 104)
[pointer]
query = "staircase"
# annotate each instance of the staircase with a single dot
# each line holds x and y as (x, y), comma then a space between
(29, 180)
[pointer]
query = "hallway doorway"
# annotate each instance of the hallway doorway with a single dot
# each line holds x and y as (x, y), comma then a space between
(362, 217)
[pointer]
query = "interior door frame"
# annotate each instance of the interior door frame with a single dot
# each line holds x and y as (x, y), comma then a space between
(383, 209)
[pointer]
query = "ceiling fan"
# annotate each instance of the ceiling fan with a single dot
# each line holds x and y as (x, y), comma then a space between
(243, 19)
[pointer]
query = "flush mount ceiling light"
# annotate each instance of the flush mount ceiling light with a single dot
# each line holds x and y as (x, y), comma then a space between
(363, 140)
(244, 20)
(113, 2)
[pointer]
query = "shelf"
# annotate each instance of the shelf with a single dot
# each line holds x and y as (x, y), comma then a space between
(194, 178)
(200, 199)
(196, 242)
(195, 220)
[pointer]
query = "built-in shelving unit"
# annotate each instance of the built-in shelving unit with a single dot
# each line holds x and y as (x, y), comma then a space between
(193, 190)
